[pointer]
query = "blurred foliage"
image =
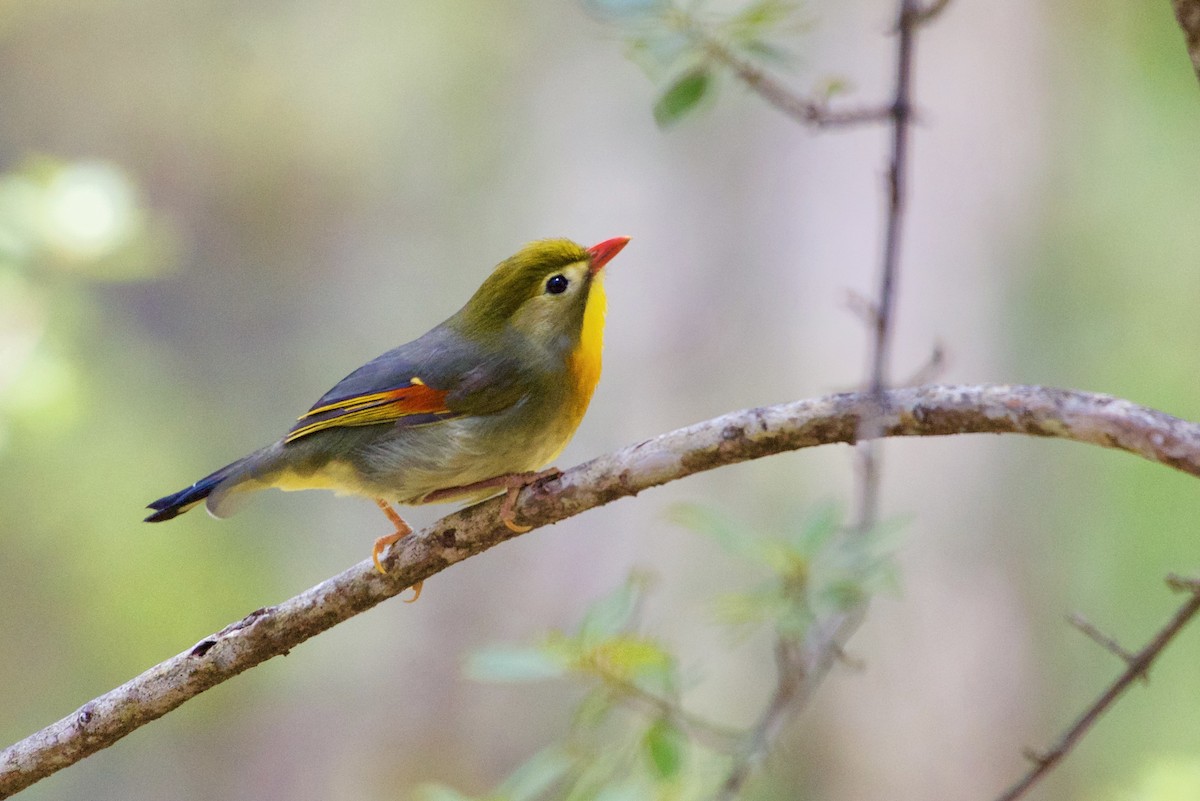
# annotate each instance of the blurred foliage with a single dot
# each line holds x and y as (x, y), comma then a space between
(84, 218)
(630, 736)
(1174, 778)
(612, 752)
(817, 568)
(68, 230)
(685, 47)
(1115, 247)
(63, 227)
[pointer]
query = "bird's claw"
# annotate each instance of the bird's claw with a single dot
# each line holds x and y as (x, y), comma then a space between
(382, 545)
(385, 542)
(517, 482)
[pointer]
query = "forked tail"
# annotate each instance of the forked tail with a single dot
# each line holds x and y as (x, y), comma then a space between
(177, 503)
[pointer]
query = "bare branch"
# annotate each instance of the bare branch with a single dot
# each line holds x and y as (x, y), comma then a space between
(900, 113)
(1187, 14)
(799, 677)
(1138, 667)
(784, 701)
(729, 439)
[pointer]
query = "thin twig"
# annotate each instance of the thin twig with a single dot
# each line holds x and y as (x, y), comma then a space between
(1100, 638)
(807, 111)
(803, 668)
(706, 732)
(885, 305)
(862, 308)
(781, 705)
(901, 118)
(826, 641)
(926, 15)
(1138, 667)
(796, 679)
(931, 370)
(729, 439)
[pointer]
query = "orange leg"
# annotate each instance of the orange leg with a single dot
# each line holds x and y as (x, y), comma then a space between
(511, 483)
(381, 544)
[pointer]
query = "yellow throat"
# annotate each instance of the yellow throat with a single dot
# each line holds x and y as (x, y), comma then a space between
(584, 363)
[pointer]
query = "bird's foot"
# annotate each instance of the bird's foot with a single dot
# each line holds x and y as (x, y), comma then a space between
(383, 543)
(513, 486)
(511, 483)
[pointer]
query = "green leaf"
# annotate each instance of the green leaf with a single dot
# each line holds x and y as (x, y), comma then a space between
(612, 613)
(596, 773)
(764, 15)
(864, 560)
(842, 595)
(660, 52)
(834, 86)
(515, 664)
(537, 775)
(818, 528)
(665, 746)
(592, 711)
(626, 9)
(682, 96)
(712, 523)
(626, 790)
(750, 608)
(439, 792)
(785, 560)
(629, 658)
(764, 51)
(794, 621)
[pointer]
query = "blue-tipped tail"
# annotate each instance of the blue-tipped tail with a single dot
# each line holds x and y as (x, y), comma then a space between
(177, 503)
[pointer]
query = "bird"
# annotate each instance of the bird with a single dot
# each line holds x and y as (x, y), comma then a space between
(476, 406)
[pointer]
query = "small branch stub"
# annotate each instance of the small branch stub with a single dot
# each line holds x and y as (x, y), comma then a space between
(1100, 638)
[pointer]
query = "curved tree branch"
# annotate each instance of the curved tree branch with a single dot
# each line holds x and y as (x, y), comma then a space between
(729, 439)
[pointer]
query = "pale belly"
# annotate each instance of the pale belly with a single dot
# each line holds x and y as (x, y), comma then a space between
(409, 464)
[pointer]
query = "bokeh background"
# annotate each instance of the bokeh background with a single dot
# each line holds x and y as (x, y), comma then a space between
(210, 212)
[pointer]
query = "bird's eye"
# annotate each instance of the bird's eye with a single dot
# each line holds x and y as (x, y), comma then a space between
(557, 284)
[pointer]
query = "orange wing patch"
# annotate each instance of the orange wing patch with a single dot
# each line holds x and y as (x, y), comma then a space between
(415, 400)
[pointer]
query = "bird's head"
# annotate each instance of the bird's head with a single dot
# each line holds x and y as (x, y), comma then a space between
(550, 291)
